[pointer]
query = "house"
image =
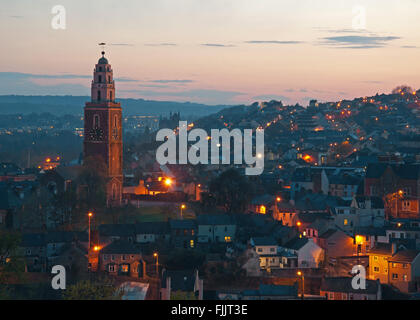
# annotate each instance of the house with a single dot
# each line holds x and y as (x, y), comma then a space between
(43, 250)
(286, 213)
(57, 244)
(302, 253)
(399, 184)
(364, 211)
(262, 204)
(181, 284)
(271, 292)
(121, 258)
(216, 228)
(150, 232)
(344, 185)
(112, 232)
(34, 251)
(267, 251)
(340, 288)
(336, 243)
(183, 233)
(404, 269)
(395, 265)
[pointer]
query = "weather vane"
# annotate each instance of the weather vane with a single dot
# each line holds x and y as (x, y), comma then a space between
(103, 44)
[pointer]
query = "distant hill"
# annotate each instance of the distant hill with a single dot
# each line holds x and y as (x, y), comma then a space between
(62, 105)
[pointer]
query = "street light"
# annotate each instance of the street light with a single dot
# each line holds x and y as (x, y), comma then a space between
(182, 207)
(90, 215)
(156, 255)
(300, 274)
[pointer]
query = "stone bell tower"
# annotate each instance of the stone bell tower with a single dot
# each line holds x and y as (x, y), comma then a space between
(103, 129)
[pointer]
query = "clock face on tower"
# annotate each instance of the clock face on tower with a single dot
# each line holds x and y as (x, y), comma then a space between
(96, 134)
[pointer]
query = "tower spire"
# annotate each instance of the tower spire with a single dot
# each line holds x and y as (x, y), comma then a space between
(103, 44)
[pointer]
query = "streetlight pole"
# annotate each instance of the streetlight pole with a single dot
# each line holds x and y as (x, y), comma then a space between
(90, 214)
(300, 274)
(156, 255)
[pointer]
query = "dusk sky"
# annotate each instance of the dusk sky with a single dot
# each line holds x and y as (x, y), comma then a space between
(213, 51)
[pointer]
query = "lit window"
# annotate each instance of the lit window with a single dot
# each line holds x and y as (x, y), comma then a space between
(262, 209)
(228, 239)
(124, 268)
(192, 243)
(346, 222)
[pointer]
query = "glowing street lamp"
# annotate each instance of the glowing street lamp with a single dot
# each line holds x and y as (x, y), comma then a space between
(168, 182)
(278, 199)
(182, 207)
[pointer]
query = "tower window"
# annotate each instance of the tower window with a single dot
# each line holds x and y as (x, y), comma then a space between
(99, 96)
(100, 69)
(99, 78)
(109, 79)
(96, 121)
(110, 95)
(114, 192)
(115, 121)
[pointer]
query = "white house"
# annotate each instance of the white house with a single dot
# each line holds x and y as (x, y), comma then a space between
(302, 253)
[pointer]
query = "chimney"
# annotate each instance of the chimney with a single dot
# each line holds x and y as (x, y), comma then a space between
(394, 248)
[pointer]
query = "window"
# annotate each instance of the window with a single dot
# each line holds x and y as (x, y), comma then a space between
(124, 268)
(331, 296)
(395, 276)
(260, 250)
(346, 222)
(110, 95)
(406, 205)
(28, 252)
(375, 269)
(99, 78)
(405, 265)
(405, 277)
(109, 79)
(96, 121)
(228, 239)
(123, 258)
(99, 96)
(272, 249)
(375, 258)
(112, 257)
(106, 257)
(407, 191)
(192, 243)
(111, 268)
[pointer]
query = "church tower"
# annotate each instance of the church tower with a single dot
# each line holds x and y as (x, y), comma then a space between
(103, 129)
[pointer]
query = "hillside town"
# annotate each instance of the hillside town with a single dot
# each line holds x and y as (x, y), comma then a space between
(340, 188)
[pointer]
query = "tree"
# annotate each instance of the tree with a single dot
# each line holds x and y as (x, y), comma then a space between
(12, 266)
(232, 190)
(93, 179)
(92, 290)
